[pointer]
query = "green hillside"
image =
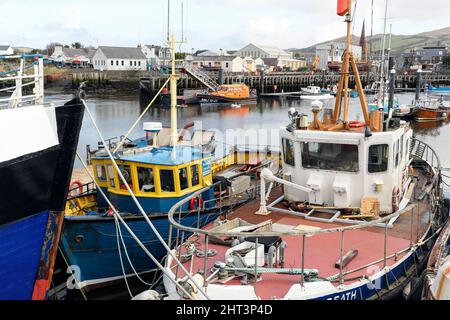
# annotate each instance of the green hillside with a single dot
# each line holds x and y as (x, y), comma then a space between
(399, 43)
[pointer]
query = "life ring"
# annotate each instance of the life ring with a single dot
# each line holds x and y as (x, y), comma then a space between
(395, 199)
(193, 203)
(73, 186)
(356, 124)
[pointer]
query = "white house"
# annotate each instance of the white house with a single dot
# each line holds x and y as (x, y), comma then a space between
(227, 63)
(334, 52)
(6, 50)
(119, 59)
(205, 53)
(258, 51)
(156, 55)
(82, 56)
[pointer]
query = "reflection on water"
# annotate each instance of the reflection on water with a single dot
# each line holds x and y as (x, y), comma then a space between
(115, 115)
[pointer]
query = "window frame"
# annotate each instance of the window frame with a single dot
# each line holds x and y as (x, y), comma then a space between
(334, 169)
(188, 185)
(388, 158)
(154, 177)
(175, 180)
(111, 171)
(191, 175)
(97, 166)
(284, 142)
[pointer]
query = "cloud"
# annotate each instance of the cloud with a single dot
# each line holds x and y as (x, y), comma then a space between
(213, 24)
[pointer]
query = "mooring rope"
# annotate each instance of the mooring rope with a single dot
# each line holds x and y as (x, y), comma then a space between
(116, 213)
(120, 257)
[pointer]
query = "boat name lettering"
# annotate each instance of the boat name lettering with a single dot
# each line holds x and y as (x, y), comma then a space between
(351, 295)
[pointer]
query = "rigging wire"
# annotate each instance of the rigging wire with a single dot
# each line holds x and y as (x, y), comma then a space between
(73, 275)
(120, 257)
(116, 213)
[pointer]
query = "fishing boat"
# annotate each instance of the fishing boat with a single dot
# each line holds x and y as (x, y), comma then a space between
(314, 93)
(437, 274)
(232, 93)
(352, 216)
(430, 109)
(142, 180)
(438, 90)
(37, 151)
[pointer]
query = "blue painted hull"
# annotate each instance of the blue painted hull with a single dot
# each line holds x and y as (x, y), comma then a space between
(124, 203)
(21, 243)
(97, 254)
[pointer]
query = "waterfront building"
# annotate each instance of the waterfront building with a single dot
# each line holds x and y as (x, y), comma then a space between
(119, 59)
(6, 50)
(333, 52)
(156, 55)
(23, 50)
(258, 51)
(82, 56)
(227, 63)
(205, 53)
(426, 58)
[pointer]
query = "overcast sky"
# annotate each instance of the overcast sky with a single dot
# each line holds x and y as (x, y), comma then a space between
(209, 24)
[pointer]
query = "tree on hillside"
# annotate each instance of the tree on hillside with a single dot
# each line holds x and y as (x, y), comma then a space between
(51, 47)
(180, 55)
(77, 45)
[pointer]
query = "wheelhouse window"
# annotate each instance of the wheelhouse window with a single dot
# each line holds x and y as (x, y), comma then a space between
(112, 182)
(184, 181)
(378, 158)
(126, 172)
(195, 175)
(288, 152)
(101, 173)
(146, 179)
(167, 182)
(396, 153)
(330, 156)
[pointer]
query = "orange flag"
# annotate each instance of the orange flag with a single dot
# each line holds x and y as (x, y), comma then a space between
(343, 6)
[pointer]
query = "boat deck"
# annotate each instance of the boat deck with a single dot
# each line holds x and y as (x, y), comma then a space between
(321, 251)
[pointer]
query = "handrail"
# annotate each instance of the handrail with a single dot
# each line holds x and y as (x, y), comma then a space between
(260, 234)
(428, 151)
(340, 277)
(363, 225)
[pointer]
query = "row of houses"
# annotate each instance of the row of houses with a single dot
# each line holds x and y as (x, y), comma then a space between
(426, 58)
(141, 58)
(248, 59)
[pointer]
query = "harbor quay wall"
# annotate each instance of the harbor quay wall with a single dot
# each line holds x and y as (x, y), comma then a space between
(150, 82)
(278, 82)
(98, 80)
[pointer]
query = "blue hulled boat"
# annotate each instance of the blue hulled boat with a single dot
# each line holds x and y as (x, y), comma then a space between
(159, 170)
(445, 90)
(37, 151)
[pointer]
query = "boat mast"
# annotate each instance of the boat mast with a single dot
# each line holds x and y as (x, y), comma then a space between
(383, 60)
(168, 20)
(344, 8)
(371, 32)
(173, 99)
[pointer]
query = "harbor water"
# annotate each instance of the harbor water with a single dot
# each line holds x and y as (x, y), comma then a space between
(250, 124)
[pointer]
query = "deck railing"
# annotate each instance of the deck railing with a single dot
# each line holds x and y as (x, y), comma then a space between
(416, 241)
(422, 151)
(15, 80)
